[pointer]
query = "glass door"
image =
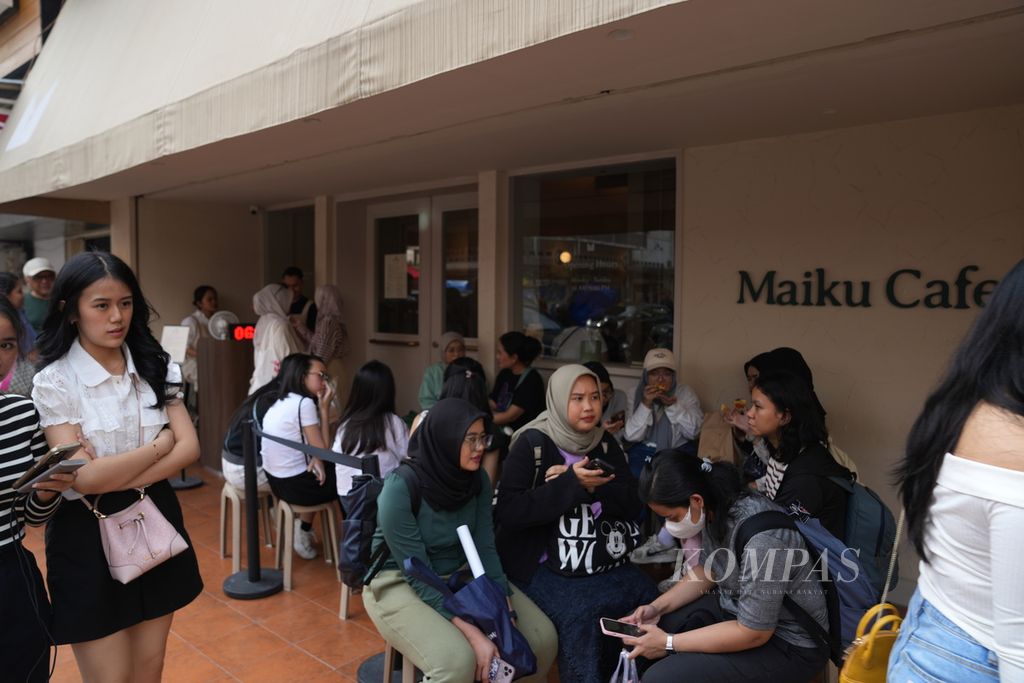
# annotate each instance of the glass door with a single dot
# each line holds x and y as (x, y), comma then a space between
(455, 242)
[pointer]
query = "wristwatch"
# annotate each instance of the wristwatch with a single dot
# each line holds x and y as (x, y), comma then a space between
(668, 643)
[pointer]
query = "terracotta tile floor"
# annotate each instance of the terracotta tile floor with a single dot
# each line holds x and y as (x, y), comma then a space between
(291, 636)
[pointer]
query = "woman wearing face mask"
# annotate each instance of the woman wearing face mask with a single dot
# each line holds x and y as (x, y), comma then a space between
(739, 632)
(565, 524)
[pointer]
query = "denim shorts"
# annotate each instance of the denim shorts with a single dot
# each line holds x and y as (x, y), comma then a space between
(932, 649)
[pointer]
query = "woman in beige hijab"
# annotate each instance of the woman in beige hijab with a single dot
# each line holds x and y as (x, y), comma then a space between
(273, 339)
(329, 341)
(566, 512)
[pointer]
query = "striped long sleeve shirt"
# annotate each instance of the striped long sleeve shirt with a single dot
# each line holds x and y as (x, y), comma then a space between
(21, 444)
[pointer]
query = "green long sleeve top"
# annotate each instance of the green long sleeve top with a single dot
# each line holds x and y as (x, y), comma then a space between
(430, 388)
(431, 536)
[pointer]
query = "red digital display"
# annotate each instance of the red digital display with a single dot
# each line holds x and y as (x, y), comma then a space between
(242, 332)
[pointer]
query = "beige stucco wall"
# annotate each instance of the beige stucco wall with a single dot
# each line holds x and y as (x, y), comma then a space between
(934, 194)
(184, 244)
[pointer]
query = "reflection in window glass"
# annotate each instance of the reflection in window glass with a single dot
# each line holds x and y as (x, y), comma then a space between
(460, 271)
(398, 274)
(595, 260)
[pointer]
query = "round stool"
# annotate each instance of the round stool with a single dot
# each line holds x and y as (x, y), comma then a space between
(286, 513)
(236, 496)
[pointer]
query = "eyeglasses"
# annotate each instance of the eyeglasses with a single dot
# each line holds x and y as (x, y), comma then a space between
(323, 375)
(476, 441)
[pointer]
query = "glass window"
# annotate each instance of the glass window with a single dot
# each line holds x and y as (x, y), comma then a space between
(460, 271)
(595, 259)
(398, 274)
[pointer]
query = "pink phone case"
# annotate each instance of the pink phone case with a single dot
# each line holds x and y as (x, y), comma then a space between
(616, 634)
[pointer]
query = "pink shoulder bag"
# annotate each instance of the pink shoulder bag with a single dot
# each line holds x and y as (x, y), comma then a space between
(137, 538)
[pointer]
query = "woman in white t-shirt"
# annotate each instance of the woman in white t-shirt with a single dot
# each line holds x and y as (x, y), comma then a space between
(299, 414)
(962, 486)
(107, 383)
(369, 425)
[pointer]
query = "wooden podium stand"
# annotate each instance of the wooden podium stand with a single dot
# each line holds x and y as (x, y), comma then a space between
(225, 367)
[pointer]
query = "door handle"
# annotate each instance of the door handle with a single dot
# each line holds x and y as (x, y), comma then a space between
(394, 342)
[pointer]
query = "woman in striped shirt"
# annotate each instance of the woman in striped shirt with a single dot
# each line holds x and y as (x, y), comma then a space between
(785, 412)
(24, 607)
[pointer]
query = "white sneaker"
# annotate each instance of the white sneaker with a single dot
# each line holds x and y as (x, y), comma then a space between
(652, 552)
(302, 542)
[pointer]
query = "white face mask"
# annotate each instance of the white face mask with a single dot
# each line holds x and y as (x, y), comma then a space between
(684, 528)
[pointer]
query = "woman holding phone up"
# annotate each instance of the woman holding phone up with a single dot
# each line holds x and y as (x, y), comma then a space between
(24, 609)
(565, 515)
(109, 384)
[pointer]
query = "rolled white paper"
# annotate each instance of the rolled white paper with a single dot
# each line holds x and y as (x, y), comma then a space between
(468, 547)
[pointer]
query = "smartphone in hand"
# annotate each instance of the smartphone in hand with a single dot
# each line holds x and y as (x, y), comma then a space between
(607, 469)
(52, 457)
(500, 671)
(620, 629)
(62, 467)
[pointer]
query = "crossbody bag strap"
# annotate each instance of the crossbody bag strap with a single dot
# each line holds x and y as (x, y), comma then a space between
(892, 556)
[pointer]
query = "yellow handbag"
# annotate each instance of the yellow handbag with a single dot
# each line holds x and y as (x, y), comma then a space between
(867, 658)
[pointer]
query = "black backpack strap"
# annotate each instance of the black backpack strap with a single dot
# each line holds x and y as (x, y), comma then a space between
(766, 521)
(383, 552)
(536, 439)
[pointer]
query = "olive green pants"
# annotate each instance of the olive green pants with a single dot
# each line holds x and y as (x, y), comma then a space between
(433, 644)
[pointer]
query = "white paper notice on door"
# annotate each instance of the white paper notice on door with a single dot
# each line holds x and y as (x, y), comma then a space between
(395, 277)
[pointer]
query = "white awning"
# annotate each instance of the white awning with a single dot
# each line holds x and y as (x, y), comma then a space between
(120, 83)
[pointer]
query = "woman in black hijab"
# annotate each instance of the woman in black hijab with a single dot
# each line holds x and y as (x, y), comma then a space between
(445, 453)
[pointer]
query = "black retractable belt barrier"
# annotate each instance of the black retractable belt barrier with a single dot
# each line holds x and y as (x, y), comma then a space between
(253, 582)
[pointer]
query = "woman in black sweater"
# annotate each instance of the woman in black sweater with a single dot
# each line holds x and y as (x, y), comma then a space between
(786, 413)
(564, 513)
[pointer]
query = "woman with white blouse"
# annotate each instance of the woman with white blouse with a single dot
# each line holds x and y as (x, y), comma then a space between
(962, 485)
(109, 384)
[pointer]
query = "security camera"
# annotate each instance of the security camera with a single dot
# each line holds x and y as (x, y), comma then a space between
(254, 209)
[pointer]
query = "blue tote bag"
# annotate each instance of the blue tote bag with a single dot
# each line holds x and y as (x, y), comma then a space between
(482, 603)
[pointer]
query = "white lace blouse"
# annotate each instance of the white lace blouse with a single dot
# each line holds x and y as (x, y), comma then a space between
(76, 389)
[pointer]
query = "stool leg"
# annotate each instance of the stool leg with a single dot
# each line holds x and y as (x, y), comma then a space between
(223, 524)
(408, 671)
(343, 609)
(236, 535)
(279, 533)
(286, 544)
(389, 662)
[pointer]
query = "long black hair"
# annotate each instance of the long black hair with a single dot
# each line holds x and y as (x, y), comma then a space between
(368, 412)
(59, 333)
(292, 375)
(525, 348)
(806, 426)
(988, 366)
(8, 311)
(464, 378)
(673, 476)
(8, 283)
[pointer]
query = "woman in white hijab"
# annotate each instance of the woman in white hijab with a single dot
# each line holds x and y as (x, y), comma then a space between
(274, 338)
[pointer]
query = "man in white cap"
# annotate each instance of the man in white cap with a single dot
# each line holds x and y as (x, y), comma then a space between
(39, 276)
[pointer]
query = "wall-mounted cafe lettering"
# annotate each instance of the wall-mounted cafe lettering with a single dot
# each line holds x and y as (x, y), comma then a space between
(904, 288)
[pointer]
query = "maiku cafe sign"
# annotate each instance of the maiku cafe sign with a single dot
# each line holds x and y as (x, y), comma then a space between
(904, 288)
